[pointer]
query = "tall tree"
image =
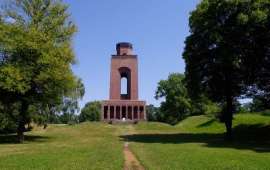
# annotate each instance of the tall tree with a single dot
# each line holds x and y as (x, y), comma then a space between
(70, 103)
(65, 109)
(260, 103)
(35, 55)
(177, 103)
(226, 50)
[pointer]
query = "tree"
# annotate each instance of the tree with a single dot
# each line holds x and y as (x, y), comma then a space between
(202, 105)
(177, 103)
(91, 112)
(153, 113)
(226, 51)
(7, 125)
(70, 104)
(61, 112)
(244, 108)
(69, 118)
(259, 103)
(35, 56)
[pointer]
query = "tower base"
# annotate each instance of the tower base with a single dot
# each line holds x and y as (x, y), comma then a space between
(123, 110)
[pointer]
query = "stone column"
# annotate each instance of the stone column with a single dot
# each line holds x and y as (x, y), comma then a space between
(127, 116)
(132, 112)
(114, 112)
(137, 117)
(109, 112)
(139, 113)
(144, 113)
(120, 112)
(126, 112)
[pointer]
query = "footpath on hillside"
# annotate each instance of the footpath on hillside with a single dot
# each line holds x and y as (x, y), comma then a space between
(131, 162)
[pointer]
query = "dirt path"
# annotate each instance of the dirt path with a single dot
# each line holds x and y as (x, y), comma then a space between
(131, 162)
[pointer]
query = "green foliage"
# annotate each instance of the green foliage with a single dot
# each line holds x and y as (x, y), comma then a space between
(244, 108)
(7, 121)
(68, 118)
(62, 113)
(70, 103)
(7, 125)
(202, 105)
(260, 103)
(91, 112)
(153, 113)
(177, 103)
(227, 52)
(35, 56)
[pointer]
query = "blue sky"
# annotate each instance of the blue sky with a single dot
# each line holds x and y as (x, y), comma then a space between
(156, 28)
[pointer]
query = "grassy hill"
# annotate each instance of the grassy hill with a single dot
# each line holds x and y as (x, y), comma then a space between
(195, 143)
(84, 146)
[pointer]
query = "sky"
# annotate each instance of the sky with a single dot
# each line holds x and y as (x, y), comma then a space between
(156, 28)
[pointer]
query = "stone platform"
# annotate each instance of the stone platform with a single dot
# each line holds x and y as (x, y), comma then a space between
(123, 110)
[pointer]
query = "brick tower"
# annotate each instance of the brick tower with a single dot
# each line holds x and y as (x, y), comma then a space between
(125, 106)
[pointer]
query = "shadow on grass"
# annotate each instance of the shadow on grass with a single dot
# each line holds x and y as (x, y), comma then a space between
(12, 139)
(251, 137)
(208, 123)
(266, 113)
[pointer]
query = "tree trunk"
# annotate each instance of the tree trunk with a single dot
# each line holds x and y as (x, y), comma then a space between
(22, 121)
(20, 132)
(229, 116)
(229, 103)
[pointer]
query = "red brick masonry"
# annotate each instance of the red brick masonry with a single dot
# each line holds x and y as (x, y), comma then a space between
(124, 106)
(120, 65)
(127, 109)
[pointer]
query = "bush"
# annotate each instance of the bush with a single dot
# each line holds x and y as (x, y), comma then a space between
(6, 124)
(91, 112)
(152, 113)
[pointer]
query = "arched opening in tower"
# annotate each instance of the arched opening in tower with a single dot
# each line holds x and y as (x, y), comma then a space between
(124, 86)
(125, 83)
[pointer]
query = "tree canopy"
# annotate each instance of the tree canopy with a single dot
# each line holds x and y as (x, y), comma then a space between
(36, 55)
(227, 51)
(177, 103)
(153, 113)
(91, 112)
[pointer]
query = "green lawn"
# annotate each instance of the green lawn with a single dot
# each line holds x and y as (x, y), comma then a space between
(86, 146)
(195, 143)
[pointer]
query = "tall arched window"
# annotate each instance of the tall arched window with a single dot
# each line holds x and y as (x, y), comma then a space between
(124, 85)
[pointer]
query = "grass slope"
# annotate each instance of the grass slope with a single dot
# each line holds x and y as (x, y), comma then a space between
(86, 146)
(197, 143)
